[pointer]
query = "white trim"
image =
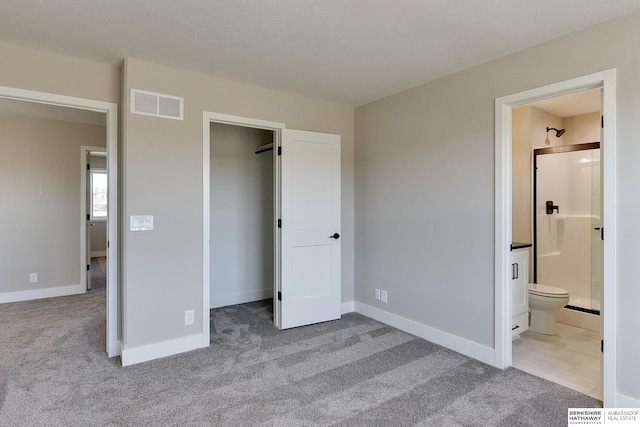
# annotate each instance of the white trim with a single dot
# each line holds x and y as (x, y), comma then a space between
(347, 307)
(207, 118)
(241, 297)
(610, 291)
(206, 228)
(502, 244)
(277, 232)
(97, 254)
(468, 348)
(623, 401)
(114, 322)
(58, 291)
(111, 111)
(242, 121)
(54, 99)
(131, 356)
(607, 80)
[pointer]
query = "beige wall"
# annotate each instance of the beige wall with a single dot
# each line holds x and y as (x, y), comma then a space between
(98, 238)
(521, 173)
(162, 161)
(31, 69)
(425, 176)
(40, 198)
(539, 122)
(37, 70)
(242, 223)
(582, 129)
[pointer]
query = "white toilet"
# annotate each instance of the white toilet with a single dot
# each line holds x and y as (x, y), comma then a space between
(544, 301)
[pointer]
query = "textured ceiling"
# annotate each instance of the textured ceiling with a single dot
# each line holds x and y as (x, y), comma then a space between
(350, 52)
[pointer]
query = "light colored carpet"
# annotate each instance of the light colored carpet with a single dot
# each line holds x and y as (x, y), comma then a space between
(350, 372)
(98, 272)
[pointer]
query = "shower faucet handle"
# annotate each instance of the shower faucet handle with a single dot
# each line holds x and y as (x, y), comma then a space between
(551, 207)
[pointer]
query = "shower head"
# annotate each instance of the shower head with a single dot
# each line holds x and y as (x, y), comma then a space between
(559, 132)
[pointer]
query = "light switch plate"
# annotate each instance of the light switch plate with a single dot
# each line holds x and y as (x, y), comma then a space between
(141, 223)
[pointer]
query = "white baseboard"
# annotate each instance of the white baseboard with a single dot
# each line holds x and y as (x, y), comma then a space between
(347, 307)
(623, 401)
(96, 254)
(31, 294)
(131, 356)
(240, 298)
(461, 345)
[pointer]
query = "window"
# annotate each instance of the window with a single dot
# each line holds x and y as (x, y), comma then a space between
(98, 194)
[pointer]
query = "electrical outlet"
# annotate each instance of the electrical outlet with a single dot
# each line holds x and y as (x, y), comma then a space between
(377, 293)
(33, 278)
(383, 296)
(189, 316)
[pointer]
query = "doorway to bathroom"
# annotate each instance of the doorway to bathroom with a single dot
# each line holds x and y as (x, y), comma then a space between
(556, 204)
(506, 210)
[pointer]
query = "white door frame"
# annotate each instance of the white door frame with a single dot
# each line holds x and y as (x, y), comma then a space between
(208, 118)
(111, 111)
(503, 184)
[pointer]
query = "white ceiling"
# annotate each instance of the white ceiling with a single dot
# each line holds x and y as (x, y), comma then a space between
(350, 52)
(575, 104)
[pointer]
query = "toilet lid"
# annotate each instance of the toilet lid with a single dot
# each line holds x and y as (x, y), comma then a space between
(543, 290)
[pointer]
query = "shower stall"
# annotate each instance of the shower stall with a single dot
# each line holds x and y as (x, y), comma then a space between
(567, 222)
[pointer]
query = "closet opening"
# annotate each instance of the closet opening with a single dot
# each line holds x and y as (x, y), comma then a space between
(242, 216)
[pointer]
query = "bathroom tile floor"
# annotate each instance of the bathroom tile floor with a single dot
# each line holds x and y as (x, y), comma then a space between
(570, 358)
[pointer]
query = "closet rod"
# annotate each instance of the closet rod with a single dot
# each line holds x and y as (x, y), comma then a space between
(264, 148)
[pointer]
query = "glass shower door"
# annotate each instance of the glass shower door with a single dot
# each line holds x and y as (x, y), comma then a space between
(597, 254)
(568, 249)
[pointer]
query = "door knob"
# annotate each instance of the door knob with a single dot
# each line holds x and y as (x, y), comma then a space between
(335, 236)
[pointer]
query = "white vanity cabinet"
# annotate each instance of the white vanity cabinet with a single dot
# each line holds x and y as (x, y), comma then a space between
(519, 290)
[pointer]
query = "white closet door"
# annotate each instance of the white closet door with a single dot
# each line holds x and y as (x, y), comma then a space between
(310, 229)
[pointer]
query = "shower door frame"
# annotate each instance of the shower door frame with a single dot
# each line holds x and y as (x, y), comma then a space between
(606, 80)
(545, 151)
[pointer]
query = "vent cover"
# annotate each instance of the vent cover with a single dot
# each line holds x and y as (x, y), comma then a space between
(156, 104)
